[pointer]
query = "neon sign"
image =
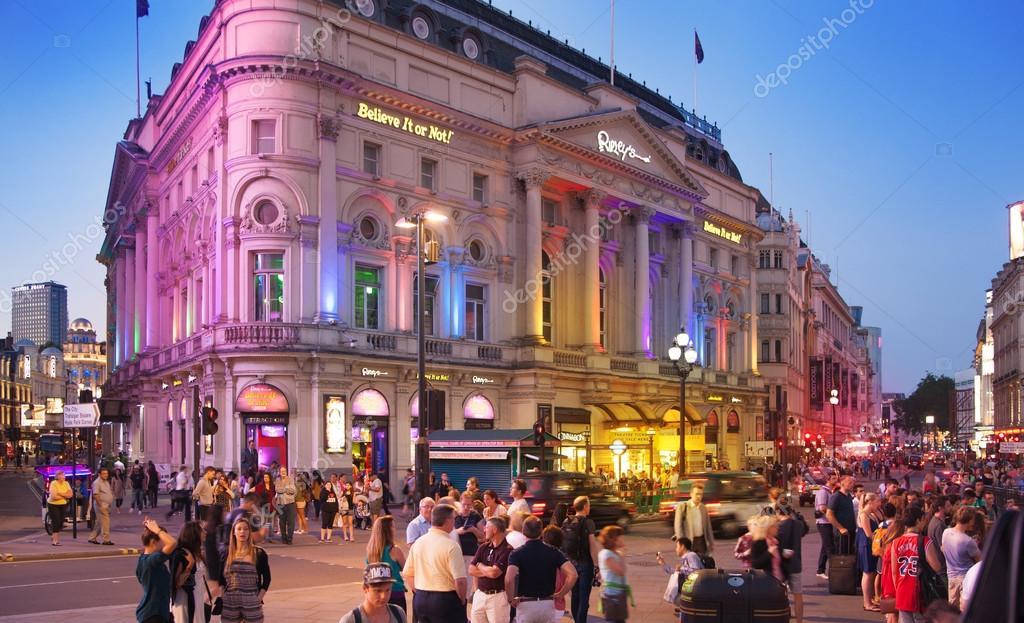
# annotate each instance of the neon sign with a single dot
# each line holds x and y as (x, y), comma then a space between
(722, 232)
(373, 373)
(406, 124)
(606, 144)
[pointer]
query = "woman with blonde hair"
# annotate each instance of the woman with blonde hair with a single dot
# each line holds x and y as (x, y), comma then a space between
(246, 577)
(867, 523)
(764, 548)
(382, 548)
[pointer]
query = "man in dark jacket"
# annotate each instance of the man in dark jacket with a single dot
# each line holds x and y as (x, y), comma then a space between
(250, 458)
(792, 529)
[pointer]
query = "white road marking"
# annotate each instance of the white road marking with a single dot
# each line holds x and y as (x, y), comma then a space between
(120, 577)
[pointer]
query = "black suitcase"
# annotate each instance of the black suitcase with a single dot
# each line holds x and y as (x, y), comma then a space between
(720, 596)
(843, 577)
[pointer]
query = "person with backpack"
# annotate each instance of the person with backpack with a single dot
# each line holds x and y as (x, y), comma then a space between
(907, 568)
(792, 529)
(581, 548)
(378, 579)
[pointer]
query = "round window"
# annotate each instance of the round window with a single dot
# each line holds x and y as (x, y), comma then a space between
(477, 251)
(471, 48)
(265, 213)
(368, 228)
(366, 8)
(420, 27)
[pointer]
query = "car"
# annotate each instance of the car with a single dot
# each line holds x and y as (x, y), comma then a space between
(915, 462)
(809, 486)
(732, 497)
(544, 490)
(939, 461)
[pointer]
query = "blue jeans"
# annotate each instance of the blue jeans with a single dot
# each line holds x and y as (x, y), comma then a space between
(580, 604)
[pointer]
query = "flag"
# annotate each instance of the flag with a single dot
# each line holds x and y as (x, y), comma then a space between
(141, 8)
(698, 50)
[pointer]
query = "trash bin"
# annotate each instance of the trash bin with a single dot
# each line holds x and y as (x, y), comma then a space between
(732, 597)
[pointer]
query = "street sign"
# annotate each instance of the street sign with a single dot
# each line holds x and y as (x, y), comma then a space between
(1011, 447)
(759, 448)
(85, 415)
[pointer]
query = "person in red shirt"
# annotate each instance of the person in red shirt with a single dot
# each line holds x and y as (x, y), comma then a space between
(905, 566)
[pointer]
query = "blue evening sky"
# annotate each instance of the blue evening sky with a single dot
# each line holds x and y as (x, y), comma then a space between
(896, 139)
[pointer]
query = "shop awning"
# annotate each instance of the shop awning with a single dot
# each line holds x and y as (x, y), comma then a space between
(522, 437)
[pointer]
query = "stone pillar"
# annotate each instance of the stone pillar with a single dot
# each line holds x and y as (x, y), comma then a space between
(229, 270)
(752, 297)
(190, 303)
(152, 294)
(176, 320)
(129, 303)
(405, 260)
(121, 312)
(327, 240)
(686, 315)
(592, 271)
(642, 267)
(534, 180)
(139, 326)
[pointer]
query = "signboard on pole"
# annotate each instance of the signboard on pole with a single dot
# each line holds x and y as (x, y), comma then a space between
(85, 415)
(759, 448)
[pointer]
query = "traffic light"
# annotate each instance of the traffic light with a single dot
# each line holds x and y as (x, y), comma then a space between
(538, 434)
(209, 421)
(782, 443)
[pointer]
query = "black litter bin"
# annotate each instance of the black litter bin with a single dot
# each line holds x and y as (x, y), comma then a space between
(720, 596)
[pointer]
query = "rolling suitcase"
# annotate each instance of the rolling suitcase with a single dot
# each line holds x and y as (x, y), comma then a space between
(843, 577)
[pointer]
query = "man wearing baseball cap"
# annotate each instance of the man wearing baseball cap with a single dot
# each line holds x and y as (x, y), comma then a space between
(377, 581)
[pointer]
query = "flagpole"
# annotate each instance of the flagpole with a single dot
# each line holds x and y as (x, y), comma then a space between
(612, 79)
(695, 74)
(138, 87)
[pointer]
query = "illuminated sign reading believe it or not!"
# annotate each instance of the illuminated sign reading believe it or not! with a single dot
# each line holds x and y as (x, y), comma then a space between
(404, 123)
(722, 232)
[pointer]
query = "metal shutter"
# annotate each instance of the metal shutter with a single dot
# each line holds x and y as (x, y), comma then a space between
(495, 475)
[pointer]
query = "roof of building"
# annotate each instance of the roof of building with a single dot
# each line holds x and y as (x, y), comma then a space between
(52, 350)
(24, 343)
(80, 324)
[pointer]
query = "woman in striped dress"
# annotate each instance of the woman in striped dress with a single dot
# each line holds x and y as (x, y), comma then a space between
(246, 577)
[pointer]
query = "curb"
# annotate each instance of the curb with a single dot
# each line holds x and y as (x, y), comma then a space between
(107, 553)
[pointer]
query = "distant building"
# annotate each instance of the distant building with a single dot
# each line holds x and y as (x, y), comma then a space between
(962, 426)
(984, 366)
(39, 313)
(15, 393)
(85, 358)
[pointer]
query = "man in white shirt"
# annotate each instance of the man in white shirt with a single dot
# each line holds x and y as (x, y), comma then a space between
(421, 524)
(180, 496)
(519, 503)
(436, 571)
(375, 496)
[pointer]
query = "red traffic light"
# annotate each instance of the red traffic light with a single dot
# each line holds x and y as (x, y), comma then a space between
(210, 421)
(807, 435)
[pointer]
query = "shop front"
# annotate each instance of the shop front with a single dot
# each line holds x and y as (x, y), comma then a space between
(495, 457)
(264, 412)
(371, 416)
(572, 428)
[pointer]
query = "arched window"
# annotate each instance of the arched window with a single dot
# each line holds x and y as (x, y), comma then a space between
(370, 402)
(478, 412)
(602, 298)
(546, 301)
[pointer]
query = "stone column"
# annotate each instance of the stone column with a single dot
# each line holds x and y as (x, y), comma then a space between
(642, 267)
(152, 294)
(534, 180)
(129, 303)
(229, 271)
(686, 282)
(327, 240)
(190, 303)
(753, 303)
(139, 326)
(592, 271)
(176, 320)
(405, 260)
(121, 313)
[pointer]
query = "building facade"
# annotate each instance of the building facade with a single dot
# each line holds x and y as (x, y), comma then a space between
(984, 366)
(15, 394)
(85, 359)
(39, 313)
(256, 265)
(1007, 357)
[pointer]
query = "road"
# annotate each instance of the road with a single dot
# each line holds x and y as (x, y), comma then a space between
(314, 583)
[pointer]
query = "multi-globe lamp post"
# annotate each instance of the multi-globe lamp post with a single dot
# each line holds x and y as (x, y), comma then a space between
(415, 221)
(833, 399)
(683, 356)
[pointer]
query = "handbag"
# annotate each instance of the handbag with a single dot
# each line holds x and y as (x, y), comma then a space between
(672, 590)
(887, 605)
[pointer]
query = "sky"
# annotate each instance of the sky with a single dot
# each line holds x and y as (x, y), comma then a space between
(890, 125)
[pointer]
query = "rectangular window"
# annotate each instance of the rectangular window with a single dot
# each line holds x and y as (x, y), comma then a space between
(764, 259)
(778, 351)
(428, 173)
(778, 303)
(709, 348)
(764, 303)
(764, 351)
(734, 266)
(371, 159)
(428, 304)
(713, 258)
(777, 258)
(549, 211)
(476, 312)
(480, 188)
(268, 287)
(263, 136)
(367, 297)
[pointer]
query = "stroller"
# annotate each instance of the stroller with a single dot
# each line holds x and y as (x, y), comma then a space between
(362, 519)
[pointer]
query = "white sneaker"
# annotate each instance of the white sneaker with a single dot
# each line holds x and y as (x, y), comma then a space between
(821, 575)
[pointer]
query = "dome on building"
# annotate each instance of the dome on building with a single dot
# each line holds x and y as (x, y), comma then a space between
(52, 350)
(80, 324)
(25, 343)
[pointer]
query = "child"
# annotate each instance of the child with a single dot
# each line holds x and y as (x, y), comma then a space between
(362, 514)
(689, 560)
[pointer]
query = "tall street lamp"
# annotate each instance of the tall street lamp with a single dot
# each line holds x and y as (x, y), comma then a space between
(683, 356)
(930, 421)
(415, 221)
(834, 400)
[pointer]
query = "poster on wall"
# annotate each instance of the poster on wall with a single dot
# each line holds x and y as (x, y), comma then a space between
(816, 369)
(334, 424)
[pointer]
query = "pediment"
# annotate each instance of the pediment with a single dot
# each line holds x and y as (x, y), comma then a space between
(623, 137)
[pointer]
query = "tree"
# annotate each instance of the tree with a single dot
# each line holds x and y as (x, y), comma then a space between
(930, 398)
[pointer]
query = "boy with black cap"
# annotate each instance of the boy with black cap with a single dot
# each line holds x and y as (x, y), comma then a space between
(377, 581)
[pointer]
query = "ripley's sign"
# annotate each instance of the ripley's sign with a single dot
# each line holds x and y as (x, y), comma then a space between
(606, 144)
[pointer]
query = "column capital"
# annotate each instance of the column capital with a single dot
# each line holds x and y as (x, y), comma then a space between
(533, 178)
(592, 198)
(643, 214)
(329, 127)
(687, 229)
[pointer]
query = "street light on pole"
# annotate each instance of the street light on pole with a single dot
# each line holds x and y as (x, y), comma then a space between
(683, 356)
(930, 421)
(415, 221)
(834, 400)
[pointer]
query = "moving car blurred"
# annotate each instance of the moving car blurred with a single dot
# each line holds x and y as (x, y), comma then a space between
(939, 460)
(915, 462)
(544, 490)
(731, 497)
(809, 485)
